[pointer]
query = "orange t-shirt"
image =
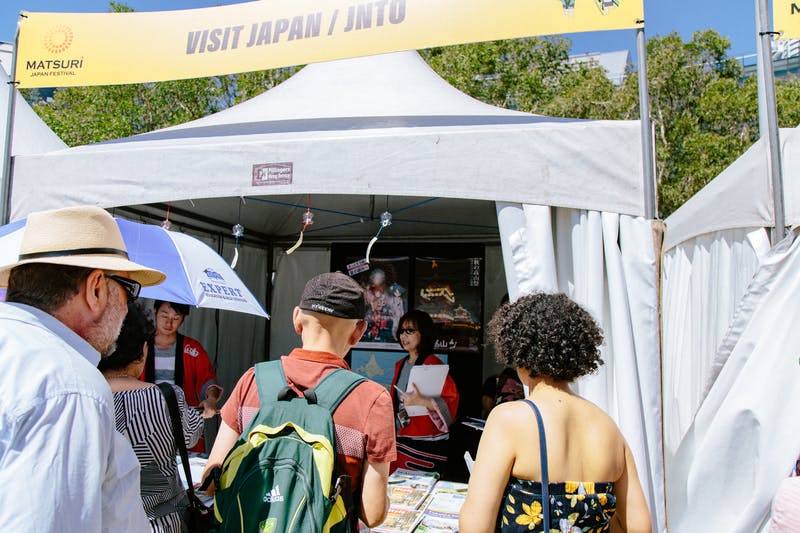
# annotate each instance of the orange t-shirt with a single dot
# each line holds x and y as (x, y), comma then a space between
(364, 421)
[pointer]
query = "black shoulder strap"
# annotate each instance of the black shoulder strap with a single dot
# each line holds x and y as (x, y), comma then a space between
(543, 460)
(177, 432)
(150, 362)
(179, 360)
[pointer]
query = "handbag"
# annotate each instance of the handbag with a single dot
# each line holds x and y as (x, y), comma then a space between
(196, 517)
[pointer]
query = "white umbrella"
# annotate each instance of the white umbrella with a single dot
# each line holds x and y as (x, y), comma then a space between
(196, 274)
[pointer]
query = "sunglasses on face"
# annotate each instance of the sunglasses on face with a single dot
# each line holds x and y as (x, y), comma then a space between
(407, 331)
(131, 287)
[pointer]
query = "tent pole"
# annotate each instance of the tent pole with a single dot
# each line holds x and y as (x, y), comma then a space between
(5, 190)
(648, 151)
(769, 117)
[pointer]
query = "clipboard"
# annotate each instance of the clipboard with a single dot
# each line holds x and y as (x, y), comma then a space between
(429, 379)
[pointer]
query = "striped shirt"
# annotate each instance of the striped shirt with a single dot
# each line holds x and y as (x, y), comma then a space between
(165, 364)
(142, 416)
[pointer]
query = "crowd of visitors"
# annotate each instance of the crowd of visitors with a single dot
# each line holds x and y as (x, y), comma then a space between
(99, 454)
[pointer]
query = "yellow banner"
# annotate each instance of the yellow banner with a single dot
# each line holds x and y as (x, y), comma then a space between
(72, 49)
(786, 18)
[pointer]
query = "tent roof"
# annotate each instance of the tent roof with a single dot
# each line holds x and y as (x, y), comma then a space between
(384, 125)
(30, 134)
(741, 196)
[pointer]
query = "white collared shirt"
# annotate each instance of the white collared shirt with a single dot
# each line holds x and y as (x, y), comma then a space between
(63, 466)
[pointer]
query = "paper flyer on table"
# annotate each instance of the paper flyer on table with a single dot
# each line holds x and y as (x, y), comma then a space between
(429, 379)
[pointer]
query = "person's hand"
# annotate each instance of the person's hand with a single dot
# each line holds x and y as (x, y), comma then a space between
(209, 409)
(415, 398)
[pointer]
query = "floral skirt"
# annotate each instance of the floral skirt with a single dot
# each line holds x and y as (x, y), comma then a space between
(575, 507)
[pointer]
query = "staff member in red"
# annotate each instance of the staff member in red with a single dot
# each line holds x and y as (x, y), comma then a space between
(181, 360)
(421, 440)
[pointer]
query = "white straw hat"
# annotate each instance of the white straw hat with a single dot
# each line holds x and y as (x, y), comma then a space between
(84, 236)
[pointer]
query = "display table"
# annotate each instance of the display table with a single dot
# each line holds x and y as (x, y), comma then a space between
(419, 502)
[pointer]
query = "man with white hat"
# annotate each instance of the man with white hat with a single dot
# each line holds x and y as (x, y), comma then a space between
(63, 466)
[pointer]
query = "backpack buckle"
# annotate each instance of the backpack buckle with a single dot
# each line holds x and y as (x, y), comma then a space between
(337, 489)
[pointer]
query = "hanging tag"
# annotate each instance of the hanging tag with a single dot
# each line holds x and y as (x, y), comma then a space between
(235, 257)
(296, 245)
(369, 247)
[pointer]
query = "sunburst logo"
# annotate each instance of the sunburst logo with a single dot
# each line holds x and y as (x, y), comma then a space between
(58, 39)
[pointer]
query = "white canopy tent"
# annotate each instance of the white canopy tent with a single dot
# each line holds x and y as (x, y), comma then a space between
(725, 314)
(30, 134)
(384, 125)
(365, 135)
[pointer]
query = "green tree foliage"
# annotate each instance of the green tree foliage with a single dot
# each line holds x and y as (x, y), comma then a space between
(704, 114)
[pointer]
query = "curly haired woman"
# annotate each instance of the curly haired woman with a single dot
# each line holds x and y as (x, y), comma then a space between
(592, 481)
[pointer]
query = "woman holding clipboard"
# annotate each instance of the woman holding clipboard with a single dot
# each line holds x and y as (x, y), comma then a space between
(422, 420)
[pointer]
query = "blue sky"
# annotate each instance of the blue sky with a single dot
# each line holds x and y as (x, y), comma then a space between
(732, 18)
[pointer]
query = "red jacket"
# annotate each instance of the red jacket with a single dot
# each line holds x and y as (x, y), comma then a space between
(193, 371)
(435, 423)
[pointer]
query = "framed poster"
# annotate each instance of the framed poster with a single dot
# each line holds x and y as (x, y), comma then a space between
(386, 283)
(450, 290)
(378, 365)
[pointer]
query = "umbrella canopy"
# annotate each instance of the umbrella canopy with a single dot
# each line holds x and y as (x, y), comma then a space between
(196, 274)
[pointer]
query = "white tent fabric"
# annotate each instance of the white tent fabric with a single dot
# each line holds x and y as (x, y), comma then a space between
(703, 280)
(741, 196)
(745, 436)
(30, 135)
(607, 263)
(376, 125)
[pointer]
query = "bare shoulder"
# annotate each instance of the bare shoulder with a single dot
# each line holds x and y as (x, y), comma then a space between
(508, 414)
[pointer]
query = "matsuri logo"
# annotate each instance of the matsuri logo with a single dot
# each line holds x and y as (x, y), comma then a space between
(58, 39)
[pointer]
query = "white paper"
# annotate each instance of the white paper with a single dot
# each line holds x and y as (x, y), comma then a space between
(429, 379)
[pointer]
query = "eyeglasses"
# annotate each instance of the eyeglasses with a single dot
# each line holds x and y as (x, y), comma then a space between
(407, 331)
(131, 287)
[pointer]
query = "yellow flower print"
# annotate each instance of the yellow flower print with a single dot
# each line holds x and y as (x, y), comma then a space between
(571, 487)
(603, 498)
(588, 486)
(532, 515)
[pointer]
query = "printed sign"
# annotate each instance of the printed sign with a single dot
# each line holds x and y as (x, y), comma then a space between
(786, 18)
(272, 174)
(75, 49)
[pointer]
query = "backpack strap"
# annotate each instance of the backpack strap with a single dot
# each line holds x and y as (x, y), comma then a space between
(270, 380)
(543, 461)
(335, 387)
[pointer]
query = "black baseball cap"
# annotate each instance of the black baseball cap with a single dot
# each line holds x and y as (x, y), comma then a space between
(335, 294)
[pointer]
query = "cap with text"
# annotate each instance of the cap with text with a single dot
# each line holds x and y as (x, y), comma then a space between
(335, 294)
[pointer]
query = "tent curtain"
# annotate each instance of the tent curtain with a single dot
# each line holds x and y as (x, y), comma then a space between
(607, 263)
(291, 274)
(745, 436)
(703, 280)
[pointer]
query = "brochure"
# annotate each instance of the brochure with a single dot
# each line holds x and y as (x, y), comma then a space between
(399, 520)
(429, 379)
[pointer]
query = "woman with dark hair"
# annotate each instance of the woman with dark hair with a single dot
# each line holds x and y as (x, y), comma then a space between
(421, 440)
(552, 461)
(142, 416)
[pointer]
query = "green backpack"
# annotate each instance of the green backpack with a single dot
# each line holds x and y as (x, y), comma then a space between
(279, 476)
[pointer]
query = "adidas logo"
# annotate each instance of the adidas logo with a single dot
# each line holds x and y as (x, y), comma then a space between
(274, 495)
